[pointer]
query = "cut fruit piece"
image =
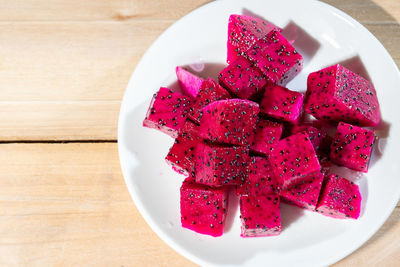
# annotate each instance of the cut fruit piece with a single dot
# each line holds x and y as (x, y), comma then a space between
(243, 32)
(304, 194)
(320, 140)
(260, 215)
(242, 79)
(340, 198)
(337, 94)
(209, 92)
(219, 165)
(260, 178)
(352, 147)
(203, 209)
(267, 134)
(167, 112)
(229, 121)
(276, 58)
(293, 159)
(189, 83)
(182, 153)
(281, 103)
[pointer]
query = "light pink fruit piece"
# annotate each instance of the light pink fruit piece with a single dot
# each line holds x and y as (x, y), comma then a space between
(181, 155)
(352, 147)
(260, 215)
(281, 103)
(220, 165)
(304, 194)
(203, 209)
(340, 198)
(337, 94)
(267, 134)
(229, 121)
(189, 83)
(167, 112)
(209, 92)
(243, 32)
(276, 58)
(293, 159)
(260, 178)
(242, 79)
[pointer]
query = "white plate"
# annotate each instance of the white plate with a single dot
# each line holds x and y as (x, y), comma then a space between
(308, 238)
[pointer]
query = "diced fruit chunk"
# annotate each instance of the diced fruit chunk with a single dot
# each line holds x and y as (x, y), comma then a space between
(260, 215)
(352, 147)
(229, 121)
(281, 103)
(276, 58)
(267, 134)
(293, 159)
(337, 94)
(220, 165)
(340, 198)
(260, 178)
(320, 140)
(203, 209)
(243, 32)
(242, 79)
(209, 92)
(304, 194)
(190, 84)
(167, 112)
(182, 153)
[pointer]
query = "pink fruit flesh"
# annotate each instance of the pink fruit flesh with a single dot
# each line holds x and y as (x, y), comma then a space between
(189, 83)
(203, 209)
(281, 103)
(352, 147)
(229, 121)
(320, 140)
(260, 215)
(167, 112)
(340, 198)
(267, 134)
(337, 94)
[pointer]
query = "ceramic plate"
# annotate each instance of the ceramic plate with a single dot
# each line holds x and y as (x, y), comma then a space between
(324, 36)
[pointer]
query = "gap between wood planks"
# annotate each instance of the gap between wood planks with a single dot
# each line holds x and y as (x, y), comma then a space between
(57, 141)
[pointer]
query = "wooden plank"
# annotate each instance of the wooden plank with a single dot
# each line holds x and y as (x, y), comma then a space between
(60, 67)
(67, 205)
(68, 10)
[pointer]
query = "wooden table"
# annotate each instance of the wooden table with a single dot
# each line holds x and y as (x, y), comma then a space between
(64, 66)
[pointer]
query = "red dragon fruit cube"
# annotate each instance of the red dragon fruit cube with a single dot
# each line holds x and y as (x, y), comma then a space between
(209, 92)
(220, 165)
(260, 215)
(242, 79)
(229, 121)
(340, 198)
(304, 194)
(281, 103)
(352, 147)
(203, 209)
(267, 134)
(293, 159)
(182, 154)
(243, 32)
(276, 58)
(189, 83)
(337, 94)
(320, 140)
(260, 178)
(167, 112)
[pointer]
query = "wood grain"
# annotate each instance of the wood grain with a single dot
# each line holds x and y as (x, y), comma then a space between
(67, 205)
(64, 55)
